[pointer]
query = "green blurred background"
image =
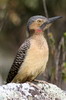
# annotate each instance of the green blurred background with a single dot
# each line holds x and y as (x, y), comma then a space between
(14, 15)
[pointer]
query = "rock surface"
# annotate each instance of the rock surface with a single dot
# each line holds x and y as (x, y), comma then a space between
(30, 91)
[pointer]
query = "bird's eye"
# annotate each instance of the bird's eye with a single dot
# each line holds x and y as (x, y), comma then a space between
(38, 20)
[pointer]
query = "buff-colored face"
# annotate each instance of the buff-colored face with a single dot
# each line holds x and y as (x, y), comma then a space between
(37, 23)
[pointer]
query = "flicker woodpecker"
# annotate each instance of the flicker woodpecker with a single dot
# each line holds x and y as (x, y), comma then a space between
(32, 56)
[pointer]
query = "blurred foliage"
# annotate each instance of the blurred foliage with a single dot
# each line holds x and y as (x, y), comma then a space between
(64, 71)
(65, 39)
(31, 4)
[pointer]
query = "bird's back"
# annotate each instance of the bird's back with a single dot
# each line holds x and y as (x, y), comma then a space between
(19, 59)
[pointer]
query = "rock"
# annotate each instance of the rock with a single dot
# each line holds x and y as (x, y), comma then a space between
(30, 91)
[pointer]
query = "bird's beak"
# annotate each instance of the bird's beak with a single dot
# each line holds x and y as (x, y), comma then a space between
(49, 21)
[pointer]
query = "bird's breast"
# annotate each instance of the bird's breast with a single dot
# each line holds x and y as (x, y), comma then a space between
(36, 58)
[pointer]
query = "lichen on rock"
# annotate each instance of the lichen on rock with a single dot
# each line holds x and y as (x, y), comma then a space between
(26, 91)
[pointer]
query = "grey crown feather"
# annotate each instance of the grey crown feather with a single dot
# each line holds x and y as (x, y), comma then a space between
(19, 59)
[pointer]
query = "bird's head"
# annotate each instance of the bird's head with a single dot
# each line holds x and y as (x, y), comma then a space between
(40, 23)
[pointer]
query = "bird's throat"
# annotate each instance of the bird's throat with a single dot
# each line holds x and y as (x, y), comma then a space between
(38, 30)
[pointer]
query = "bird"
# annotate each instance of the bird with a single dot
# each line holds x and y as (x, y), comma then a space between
(32, 56)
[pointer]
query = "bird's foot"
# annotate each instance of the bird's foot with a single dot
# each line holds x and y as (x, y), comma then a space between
(34, 85)
(40, 81)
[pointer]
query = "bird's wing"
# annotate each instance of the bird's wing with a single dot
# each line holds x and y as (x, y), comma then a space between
(18, 60)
